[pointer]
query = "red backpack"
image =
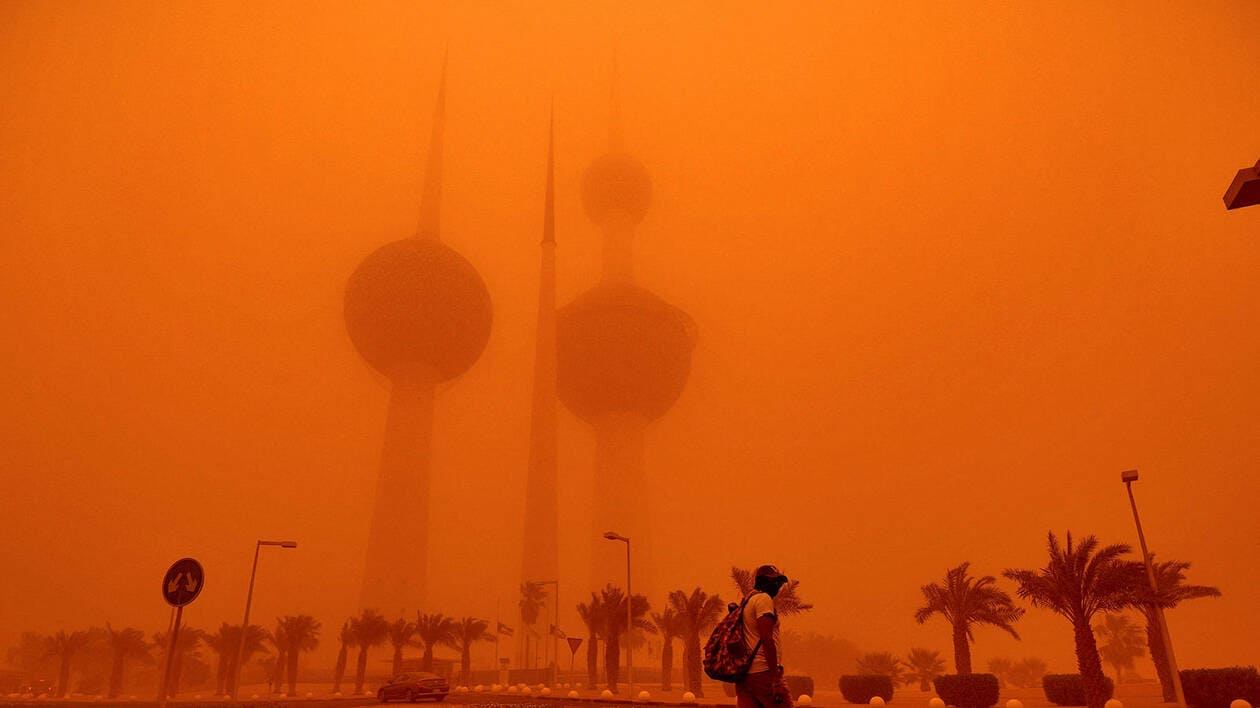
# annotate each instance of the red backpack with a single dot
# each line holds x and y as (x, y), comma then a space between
(726, 655)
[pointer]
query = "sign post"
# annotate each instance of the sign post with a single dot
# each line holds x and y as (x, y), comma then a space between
(181, 585)
(574, 643)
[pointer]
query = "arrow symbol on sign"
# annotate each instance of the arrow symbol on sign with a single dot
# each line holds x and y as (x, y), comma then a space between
(191, 584)
(174, 584)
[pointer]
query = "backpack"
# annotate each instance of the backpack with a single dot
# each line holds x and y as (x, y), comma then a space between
(726, 655)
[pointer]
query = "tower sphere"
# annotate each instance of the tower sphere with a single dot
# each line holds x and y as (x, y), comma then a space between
(621, 348)
(418, 301)
(616, 187)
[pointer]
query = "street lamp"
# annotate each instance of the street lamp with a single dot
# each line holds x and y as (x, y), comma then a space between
(1244, 191)
(249, 597)
(1129, 477)
(614, 536)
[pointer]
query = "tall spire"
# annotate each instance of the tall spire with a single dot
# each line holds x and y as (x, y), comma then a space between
(616, 140)
(549, 208)
(431, 196)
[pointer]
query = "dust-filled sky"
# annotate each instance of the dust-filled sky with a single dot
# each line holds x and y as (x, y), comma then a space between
(954, 266)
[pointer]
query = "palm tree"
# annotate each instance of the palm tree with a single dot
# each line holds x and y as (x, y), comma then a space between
(434, 630)
(614, 601)
(697, 612)
(1121, 642)
(882, 663)
(1028, 672)
(301, 633)
(64, 647)
(369, 630)
(224, 643)
(275, 666)
(787, 602)
(1001, 667)
(469, 631)
(668, 624)
(187, 647)
(124, 644)
(923, 665)
(1170, 579)
(346, 638)
(965, 601)
(400, 631)
(533, 599)
(592, 615)
(1080, 581)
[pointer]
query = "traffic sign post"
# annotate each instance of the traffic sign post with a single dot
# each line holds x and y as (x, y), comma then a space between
(181, 585)
(574, 643)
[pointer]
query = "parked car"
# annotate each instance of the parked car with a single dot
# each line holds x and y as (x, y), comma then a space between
(413, 686)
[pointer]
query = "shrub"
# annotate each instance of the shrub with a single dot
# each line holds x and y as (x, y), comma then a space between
(800, 685)
(1215, 688)
(1069, 690)
(968, 690)
(863, 687)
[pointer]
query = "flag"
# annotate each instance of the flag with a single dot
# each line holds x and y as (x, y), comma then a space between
(555, 632)
(505, 630)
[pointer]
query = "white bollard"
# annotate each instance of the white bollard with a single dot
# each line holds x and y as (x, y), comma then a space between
(877, 702)
(605, 693)
(573, 694)
(936, 702)
(1014, 703)
(1239, 703)
(1113, 703)
(689, 697)
(804, 700)
(544, 691)
(644, 695)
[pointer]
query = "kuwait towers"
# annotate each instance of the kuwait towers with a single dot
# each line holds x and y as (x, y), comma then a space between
(419, 314)
(623, 358)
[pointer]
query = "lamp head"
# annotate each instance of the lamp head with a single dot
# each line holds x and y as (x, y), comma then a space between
(1244, 191)
(614, 536)
(1129, 476)
(288, 544)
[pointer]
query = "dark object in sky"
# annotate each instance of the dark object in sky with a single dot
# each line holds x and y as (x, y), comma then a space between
(1244, 191)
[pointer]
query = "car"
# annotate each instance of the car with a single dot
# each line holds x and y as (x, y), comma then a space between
(413, 686)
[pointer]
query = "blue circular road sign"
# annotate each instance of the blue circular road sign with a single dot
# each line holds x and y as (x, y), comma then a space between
(183, 582)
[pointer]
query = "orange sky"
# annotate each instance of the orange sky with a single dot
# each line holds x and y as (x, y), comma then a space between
(953, 267)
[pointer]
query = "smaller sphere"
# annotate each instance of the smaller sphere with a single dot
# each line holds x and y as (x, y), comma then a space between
(605, 693)
(254, 697)
(644, 695)
(1014, 703)
(1239, 703)
(478, 688)
(513, 689)
(544, 691)
(579, 685)
(1113, 703)
(573, 694)
(804, 699)
(616, 189)
(936, 702)
(877, 701)
(689, 697)
(310, 695)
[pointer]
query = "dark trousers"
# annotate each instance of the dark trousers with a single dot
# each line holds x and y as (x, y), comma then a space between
(757, 691)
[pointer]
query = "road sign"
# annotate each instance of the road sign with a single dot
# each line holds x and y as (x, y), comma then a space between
(183, 582)
(574, 643)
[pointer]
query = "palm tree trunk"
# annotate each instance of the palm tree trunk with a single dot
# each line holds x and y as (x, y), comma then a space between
(592, 661)
(962, 650)
(360, 669)
(220, 679)
(691, 657)
(172, 688)
(465, 664)
(612, 660)
(339, 671)
(397, 659)
(667, 665)
(115, 677)
(63, 676)
(426, 661)
(1159, 656)
(292, 671)
(282, 660)
(1089, 663)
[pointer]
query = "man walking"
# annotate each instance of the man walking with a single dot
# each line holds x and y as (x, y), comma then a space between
(763, 686)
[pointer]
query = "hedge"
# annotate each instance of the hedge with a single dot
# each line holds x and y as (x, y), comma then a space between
(863, 687)
(968, 690)
(1216, 688)
(1069, 690)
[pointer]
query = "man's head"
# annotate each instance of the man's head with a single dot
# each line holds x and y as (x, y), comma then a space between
(769, 580)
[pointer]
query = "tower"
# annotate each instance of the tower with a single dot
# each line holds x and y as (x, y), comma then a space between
(623, 358)
(419, 313)
(540, 560)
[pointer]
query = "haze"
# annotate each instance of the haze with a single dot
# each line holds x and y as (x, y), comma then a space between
(953, 268)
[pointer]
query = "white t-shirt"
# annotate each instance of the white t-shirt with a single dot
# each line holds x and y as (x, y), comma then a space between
(759, 605)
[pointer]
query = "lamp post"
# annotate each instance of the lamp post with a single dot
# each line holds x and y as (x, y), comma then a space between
(555, 625)
(613, 536)
(1129, 477)
(249, 597)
